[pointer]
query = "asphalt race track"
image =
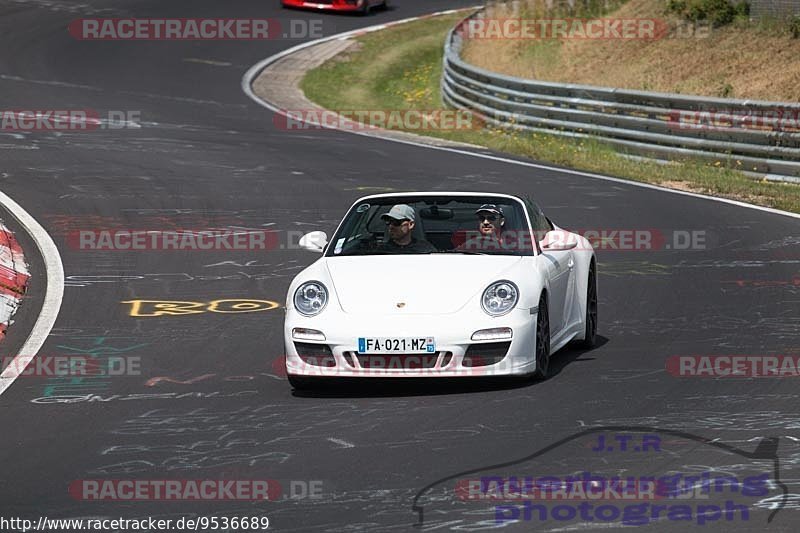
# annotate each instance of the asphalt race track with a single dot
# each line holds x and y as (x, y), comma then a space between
(211, 402)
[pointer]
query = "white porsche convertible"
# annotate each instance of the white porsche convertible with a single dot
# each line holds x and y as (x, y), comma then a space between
(439, 285)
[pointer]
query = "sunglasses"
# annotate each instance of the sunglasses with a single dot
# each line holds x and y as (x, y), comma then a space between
(393, 222)
(490, 218)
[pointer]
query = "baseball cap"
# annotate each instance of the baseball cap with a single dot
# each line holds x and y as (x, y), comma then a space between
(400, 212)
(490, 208)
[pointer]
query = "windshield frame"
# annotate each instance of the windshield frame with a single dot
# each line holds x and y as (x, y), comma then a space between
(417, 197)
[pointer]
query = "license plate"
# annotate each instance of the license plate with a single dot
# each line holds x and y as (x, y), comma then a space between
(379, 345)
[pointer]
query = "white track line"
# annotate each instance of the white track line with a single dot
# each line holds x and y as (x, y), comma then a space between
(52, 299)
(253, 72)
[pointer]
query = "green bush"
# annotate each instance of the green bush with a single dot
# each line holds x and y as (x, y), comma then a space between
(676, 6)
(725, 91)
(794, 26)
(718, 12)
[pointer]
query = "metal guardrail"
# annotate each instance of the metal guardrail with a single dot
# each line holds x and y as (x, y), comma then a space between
(642, 123)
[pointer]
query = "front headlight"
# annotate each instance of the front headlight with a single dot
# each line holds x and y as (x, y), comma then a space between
(310, 298)
(499, 298)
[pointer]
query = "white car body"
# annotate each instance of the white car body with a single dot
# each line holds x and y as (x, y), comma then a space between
(439, 296)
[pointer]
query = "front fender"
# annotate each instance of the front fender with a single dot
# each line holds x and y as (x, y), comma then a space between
(583, 255)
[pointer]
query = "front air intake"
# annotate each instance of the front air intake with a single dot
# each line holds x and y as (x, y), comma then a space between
(315, 354)
(486, 354)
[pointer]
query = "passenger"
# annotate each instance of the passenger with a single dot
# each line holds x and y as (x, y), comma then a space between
(401, 220)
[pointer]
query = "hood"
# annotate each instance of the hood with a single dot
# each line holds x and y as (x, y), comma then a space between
(426, 284)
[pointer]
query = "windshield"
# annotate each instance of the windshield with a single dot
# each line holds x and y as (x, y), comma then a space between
(434, 224)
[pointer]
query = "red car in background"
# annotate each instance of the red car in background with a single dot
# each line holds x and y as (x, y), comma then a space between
(352, 6)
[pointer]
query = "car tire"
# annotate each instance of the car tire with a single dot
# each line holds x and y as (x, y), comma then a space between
(364, 11)
(590, 333)
(542, 349)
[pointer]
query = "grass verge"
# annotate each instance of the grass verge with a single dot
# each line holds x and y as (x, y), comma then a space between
(754, 60)
(401, 67)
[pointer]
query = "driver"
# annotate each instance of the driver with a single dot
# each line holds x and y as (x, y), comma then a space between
(400, 221)
(490, 227)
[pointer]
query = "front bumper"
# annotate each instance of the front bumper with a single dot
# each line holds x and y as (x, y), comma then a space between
(456, 355)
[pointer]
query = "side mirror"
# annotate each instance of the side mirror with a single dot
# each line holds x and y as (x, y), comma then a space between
(314, 241)
(559, 241)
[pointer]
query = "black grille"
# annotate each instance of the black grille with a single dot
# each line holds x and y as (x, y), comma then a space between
(397, 361)
(315, 354)
(485, 354)
(446, 359)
